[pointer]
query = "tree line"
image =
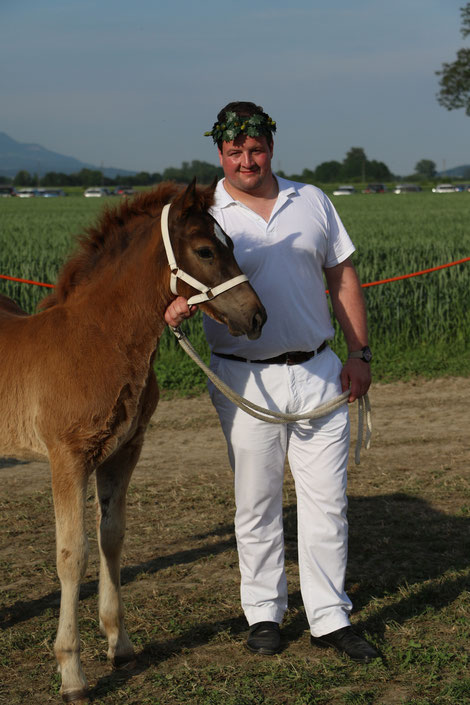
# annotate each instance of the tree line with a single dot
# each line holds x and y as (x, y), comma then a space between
(355, 168)
(203, 171)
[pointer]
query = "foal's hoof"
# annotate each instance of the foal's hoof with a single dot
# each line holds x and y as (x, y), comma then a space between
(125, 663)
(78, 697)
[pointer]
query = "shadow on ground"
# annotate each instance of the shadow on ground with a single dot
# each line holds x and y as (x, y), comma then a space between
(396, 540)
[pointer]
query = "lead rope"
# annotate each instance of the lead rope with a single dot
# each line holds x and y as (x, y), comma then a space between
(258, 412)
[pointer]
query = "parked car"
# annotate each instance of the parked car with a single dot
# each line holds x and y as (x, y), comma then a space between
(375, 188)
(53, 193)
(444, 188)
(123, 191)
(407, 188)
(7, 191)
(96, 192)
(344, 190)
(30, 192)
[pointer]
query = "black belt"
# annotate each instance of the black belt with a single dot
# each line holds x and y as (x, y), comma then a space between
(288, 358)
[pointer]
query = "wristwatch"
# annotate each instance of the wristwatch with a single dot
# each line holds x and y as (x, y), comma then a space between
(364, 354)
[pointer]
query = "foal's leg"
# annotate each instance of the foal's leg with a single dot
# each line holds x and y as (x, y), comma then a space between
(112, 481)
(69, 482)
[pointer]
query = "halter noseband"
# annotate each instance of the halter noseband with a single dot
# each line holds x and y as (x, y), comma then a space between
(207, 293)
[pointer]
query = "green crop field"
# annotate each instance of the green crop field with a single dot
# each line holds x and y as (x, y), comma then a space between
(419, 326)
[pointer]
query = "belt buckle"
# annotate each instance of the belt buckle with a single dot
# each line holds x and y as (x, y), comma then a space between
(297, 357)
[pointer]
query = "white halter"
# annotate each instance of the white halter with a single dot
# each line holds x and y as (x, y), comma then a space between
(207, 293)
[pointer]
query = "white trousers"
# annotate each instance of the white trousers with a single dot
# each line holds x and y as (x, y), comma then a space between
(318, 453)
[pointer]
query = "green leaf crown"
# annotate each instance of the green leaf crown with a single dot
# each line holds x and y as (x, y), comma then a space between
(234, 125)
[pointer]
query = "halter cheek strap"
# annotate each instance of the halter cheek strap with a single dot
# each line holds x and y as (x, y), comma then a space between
(207, 293)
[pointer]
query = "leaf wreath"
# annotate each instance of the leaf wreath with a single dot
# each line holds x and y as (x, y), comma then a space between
(234, 124)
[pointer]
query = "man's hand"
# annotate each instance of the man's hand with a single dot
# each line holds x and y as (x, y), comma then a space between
(178, 311)
(356, 377)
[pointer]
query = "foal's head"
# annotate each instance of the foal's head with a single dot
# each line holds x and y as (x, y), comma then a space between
(205, 251)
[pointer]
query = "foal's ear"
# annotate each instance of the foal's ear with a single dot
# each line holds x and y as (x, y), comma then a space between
(189, 197)
(214, 183)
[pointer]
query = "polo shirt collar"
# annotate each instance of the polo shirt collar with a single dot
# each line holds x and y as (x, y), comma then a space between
(287, 189)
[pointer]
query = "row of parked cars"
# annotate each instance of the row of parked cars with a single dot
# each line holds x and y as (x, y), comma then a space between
(348, 190)
(30, 192)
(100, 192)
(8, 191)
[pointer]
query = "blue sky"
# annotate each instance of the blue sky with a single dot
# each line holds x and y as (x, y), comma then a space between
(134, 85)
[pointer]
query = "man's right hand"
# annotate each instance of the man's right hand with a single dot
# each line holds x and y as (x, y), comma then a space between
(178, 311)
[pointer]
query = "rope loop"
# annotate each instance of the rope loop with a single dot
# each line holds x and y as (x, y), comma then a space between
(277, 417)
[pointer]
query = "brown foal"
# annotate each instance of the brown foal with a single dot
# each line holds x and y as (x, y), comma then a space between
(77, 383)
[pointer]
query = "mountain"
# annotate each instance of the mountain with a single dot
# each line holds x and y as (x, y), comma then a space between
(457, 172)
(18, 156)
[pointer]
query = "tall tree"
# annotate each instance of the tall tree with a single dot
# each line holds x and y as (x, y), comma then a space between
(354, 164)
(455, 77)
(53, 178)
(426, 168)
(378, 170)
(90, 177)
(23, 178)
(328, 171)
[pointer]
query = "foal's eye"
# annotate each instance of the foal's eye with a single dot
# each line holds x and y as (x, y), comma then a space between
(205, 253)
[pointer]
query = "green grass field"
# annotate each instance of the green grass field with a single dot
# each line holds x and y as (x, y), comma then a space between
(419, 326)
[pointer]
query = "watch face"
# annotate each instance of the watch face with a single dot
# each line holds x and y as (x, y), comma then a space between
(366, 354)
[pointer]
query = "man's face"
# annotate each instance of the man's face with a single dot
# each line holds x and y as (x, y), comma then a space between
(247, 163)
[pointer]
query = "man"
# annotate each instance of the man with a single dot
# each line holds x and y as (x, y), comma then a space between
(286, 236)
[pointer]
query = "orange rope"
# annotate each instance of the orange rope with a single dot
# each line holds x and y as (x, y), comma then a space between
(381, 281)
(416, 274)
(26, 281)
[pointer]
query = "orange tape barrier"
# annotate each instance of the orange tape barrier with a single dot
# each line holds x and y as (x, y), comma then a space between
(416, 274)
(26, 281)
(381, 281)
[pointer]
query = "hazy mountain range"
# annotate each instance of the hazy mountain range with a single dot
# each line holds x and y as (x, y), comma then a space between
(18, 156)
(457, 172)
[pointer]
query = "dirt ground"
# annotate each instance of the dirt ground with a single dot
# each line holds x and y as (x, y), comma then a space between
(415, 424)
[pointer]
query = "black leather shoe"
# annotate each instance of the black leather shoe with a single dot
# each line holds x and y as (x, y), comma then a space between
(347, 642)
(264, 638)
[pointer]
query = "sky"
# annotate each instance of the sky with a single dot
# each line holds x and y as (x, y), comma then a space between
(134, 85)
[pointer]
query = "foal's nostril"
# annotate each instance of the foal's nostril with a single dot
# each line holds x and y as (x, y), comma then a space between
(258, 320)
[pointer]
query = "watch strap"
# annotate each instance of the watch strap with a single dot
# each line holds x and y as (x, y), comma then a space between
(362, 354)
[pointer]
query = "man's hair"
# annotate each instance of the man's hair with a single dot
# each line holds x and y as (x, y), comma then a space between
(245, 109)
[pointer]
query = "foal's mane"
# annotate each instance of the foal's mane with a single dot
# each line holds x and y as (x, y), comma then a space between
(111, 235)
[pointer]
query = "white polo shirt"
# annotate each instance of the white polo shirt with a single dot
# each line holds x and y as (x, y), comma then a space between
(284, 261)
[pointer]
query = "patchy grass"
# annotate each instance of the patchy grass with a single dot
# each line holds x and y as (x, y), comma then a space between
(408, 577)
